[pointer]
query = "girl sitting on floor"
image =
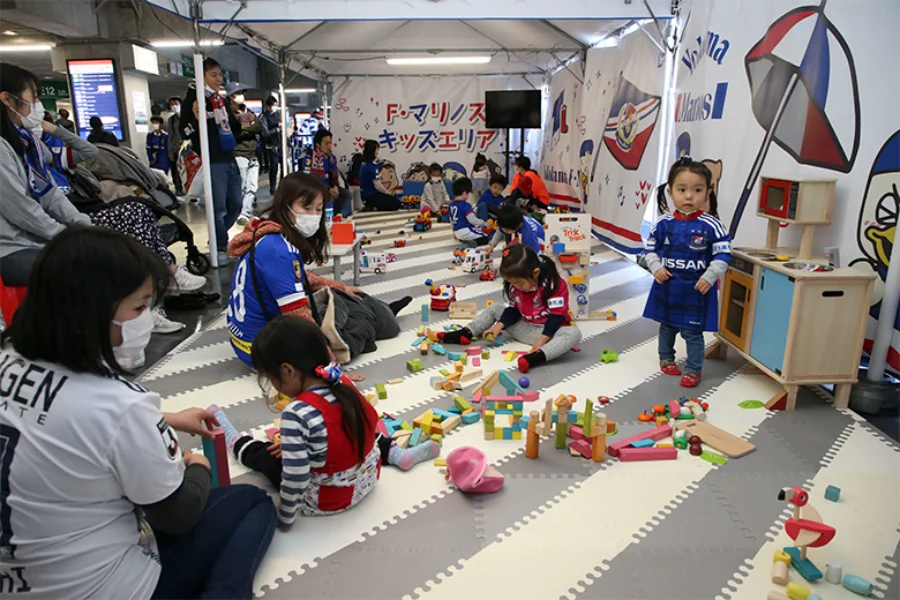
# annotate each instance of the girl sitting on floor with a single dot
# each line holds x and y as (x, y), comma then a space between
(537, 313)
(331, 450)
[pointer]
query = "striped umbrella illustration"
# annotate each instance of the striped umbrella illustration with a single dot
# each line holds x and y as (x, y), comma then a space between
(802, 83)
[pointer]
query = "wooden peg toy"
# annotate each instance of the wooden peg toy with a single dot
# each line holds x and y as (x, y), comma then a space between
(532, 441)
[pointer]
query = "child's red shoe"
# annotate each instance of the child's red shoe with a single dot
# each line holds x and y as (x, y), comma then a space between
(690, 380)
(669, 367)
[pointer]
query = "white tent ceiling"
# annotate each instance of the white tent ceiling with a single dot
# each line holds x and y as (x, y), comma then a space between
(354, 37)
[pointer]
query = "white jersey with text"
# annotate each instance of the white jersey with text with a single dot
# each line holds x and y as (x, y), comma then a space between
(77, 453)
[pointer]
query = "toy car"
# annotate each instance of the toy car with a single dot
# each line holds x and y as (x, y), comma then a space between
(444, 217)
(365, 241)
(373, 262)
(476, 259)
(399, 243)
(391, 257)
(488, 274)
(442, 296)
(422, 223)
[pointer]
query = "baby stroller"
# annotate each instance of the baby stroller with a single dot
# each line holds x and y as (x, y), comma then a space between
(121, 166)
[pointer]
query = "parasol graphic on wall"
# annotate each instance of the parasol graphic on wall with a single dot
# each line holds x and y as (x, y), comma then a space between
(802, 85)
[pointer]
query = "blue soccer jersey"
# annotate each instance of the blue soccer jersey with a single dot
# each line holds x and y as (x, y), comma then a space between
(459, 210)
(686, 246)
(281, 276)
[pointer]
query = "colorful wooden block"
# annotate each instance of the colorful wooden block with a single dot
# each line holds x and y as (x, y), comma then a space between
(634, 454)
(415, 365)
(833, 493)
(485, 354)
(454, 355)
(418, 341)
(424, 313)
(470, 418)
(510, 356)
(576, 432)
(381, 391)
(643, 444)
(476, 361)
(438, 349)
(415, 438)
(582, 447)
(437, 437)
(653, 434)
(461, 403)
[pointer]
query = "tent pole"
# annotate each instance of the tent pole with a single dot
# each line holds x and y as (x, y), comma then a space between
(285, 159)
(328, 97)
(203, 126)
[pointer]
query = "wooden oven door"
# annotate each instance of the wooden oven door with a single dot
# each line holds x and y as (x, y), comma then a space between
(734, 320)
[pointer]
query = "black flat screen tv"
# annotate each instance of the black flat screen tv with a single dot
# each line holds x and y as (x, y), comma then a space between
(517, 109)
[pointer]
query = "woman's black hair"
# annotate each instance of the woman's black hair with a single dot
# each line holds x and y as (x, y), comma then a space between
(524, 162)
(300, 343)
(685, 163)
(96, 123)
(14, 81)
(520, 261)
(369, 149)
(509, 217)
(210, 63)
(76, 285)
(435, 167)
(309, 188)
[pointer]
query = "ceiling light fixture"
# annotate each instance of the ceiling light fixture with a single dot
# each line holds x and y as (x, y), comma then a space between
(300, 91)
(26, 47)
(184, 43)
(439, 60)
(9, 32)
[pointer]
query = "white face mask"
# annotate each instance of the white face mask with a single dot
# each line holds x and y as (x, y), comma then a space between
(135, 334)
(154, 127)
(238, 98)
(306, 224)
(33, 121)
(176, 109)
(436, 179)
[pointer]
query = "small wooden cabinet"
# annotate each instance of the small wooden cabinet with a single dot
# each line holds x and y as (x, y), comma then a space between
(737, 299)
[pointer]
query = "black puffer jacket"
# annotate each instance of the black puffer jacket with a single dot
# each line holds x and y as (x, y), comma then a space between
(358, 324)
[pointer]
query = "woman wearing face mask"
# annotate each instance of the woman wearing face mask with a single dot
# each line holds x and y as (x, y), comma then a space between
(34, 210)
(223, 127)
(101, 500)
(270, 277)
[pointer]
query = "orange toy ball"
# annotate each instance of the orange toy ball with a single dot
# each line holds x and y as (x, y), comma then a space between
(659, 409)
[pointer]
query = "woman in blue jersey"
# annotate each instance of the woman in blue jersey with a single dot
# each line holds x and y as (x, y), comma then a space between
(687, 252)
(374, 196)
(271, 277)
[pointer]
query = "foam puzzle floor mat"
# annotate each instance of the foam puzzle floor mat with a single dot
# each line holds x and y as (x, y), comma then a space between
(565, 527)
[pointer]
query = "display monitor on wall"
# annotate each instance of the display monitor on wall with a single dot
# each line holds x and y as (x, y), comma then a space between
(517, 109)
(95, 93)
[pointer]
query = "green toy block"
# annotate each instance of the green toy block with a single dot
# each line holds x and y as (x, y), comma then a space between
(562, 430)
(588, 417)
(415, 365)
(437, 437)
(463, 359)
(406, 425)
(608, 356)
(381, 391)
(485, 354)
(444, 372)
(461, 403)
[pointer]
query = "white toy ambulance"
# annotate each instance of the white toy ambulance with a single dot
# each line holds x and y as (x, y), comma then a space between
(476, 259)
(373, 262)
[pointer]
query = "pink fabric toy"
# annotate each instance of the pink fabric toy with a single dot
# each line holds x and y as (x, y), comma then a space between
(468, 469)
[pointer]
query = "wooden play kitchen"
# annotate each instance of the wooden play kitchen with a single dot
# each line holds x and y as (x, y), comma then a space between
(796, 318)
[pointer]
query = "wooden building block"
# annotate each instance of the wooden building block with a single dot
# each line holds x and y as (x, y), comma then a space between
(382, 393)
(598, 447)
(635, 454)
(485, 354)
(470, 418)
(532, 442)
(476, 397)
(221, 457)
(717, 439)
(415, 365)
(576, 432)
(510, 356)
(440, 462)
(476, 361)
(395, 381)
(461, 403)
(416, 437)
(562, 429)
(449, 424)
(473, 373)
(423, 348)
(588, 415)
(582, 447)
(653, 434)
(463, 310)
(473, 350)
(438, 349)
(643, 444)
(418, 342)
(488, 383)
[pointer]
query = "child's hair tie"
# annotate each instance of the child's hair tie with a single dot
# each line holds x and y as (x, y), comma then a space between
(505, 252)
(685, 160)
(330, 372)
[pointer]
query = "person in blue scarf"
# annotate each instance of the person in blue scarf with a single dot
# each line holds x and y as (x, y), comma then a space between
(223, 124)
(65, 151)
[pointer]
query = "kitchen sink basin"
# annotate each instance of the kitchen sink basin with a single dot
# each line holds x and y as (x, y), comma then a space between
(807, 266)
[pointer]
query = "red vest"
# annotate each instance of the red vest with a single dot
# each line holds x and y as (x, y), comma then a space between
(341, 454)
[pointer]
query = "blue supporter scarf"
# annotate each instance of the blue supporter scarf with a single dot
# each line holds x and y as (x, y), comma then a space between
(39, 180)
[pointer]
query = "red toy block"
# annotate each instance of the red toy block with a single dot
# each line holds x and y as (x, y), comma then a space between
(530, 396)
(653, 434)
(221, 457)
(576, 432)
(477, 397)
(581, 446)
(473, 350)
(634, 454)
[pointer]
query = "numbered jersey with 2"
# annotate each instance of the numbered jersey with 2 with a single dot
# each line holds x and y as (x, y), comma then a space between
(77, 453)
(281, 276)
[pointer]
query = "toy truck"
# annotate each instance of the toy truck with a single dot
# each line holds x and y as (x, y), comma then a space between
(444, 217)
(422, 223)
(476, 259)
(373, 262)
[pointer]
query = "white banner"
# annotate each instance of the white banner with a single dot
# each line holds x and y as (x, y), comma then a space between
(561, 138)
(619, 156)
(418, 121)
(793, 88)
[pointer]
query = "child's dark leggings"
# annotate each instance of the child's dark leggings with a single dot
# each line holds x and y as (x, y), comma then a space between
(256, 456)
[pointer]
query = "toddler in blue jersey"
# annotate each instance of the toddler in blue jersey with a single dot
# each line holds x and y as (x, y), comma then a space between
(687, 252)
(492, 198)
(517, 228)
(467, 227)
